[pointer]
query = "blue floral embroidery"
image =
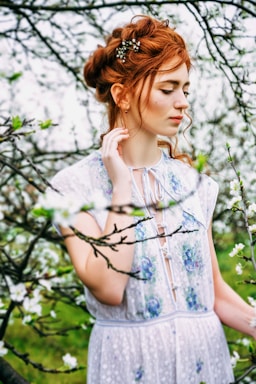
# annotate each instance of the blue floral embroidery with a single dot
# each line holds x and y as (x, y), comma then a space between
(101, 175)
(193, 303)
(140, 231)
(147, 269)
(199, 365)
(153, 307)
(189, 222)
(192, 258)
(139, 373)
(175, 183)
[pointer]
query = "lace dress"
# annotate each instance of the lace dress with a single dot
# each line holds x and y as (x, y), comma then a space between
(165, 331)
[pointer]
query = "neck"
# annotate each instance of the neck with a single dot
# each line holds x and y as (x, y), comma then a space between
(141, 149)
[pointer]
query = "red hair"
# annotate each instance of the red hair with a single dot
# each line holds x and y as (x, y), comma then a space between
(158, 44)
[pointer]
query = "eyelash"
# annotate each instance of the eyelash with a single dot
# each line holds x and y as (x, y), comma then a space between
(167, 92)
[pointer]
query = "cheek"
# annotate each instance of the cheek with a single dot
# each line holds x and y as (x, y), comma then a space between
(157, 105)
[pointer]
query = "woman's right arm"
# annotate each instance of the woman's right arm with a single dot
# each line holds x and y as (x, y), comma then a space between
(106, 284)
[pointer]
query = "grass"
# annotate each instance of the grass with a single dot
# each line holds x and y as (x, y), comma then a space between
(227, 267)
(49, 351)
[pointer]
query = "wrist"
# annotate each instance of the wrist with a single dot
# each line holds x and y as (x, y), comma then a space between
(121, 198)
(122, 191)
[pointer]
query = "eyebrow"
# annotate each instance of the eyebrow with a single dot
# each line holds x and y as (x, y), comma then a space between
(174, 82)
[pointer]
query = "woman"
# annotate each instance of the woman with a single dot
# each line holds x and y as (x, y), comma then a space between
(161, 321)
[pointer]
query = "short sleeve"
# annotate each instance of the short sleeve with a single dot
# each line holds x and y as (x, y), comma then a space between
(68, 192)
(68, 184)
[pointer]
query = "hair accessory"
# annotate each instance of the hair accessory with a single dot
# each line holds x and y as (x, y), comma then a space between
(127, 45)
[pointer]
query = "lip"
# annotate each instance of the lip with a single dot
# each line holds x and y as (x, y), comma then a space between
(176, 118)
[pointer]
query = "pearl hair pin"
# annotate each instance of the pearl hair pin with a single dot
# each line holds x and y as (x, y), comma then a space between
(127, 45)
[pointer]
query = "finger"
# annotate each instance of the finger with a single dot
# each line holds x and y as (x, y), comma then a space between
(114, 133)
(111, 141)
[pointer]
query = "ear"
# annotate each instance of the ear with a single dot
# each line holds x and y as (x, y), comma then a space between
(121, 96)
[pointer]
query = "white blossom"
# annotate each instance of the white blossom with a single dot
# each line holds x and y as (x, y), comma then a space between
(20, 239)
(69, 361)
(46, 284)
(53, 314)
(2, 309)
(252, 301)
(252, 228)
(64, 217)
(236, 250)
(253, 322)
(234, 201)
(46, 257)
(251, 210)
(64, 207)
(32, 305)
(26, 198)
(37, 294)
(3, 351)
(26, 319)
(51, 255)
(245, 342)
(234, 187)
(234, 359)
(80, 299)
(18, 292)
(220, 227)
(239, 269)
(253, 304)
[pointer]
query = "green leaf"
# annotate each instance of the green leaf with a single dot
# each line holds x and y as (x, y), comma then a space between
(137, 212)
(251, 348)
(64, 270)
(15, 76)
(200, 162)
(45, 124)
(87, 207)
(16, 123)
(40, 211)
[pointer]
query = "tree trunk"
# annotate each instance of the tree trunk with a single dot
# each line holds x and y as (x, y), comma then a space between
(8, 375)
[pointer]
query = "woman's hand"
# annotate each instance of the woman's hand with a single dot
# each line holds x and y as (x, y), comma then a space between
(112, 157)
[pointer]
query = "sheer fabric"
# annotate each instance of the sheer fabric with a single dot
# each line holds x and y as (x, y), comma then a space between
(165, 330)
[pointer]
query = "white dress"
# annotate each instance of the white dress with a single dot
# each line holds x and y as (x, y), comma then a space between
(165, 331)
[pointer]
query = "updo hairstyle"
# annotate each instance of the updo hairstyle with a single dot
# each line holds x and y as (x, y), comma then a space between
(158, 44)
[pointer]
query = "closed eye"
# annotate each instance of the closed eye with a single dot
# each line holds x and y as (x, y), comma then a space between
(167, 91)
(186, 93)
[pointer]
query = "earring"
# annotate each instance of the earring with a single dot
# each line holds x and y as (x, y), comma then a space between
(126, 111)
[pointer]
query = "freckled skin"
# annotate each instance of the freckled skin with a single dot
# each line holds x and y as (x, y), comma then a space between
(167, 100)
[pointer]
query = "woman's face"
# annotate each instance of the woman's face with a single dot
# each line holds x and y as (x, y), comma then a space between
(162, 110)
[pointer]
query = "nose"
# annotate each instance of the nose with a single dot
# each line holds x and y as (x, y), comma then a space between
(181, 101)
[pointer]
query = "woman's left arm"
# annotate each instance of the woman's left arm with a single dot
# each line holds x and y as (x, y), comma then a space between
(229, 306)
